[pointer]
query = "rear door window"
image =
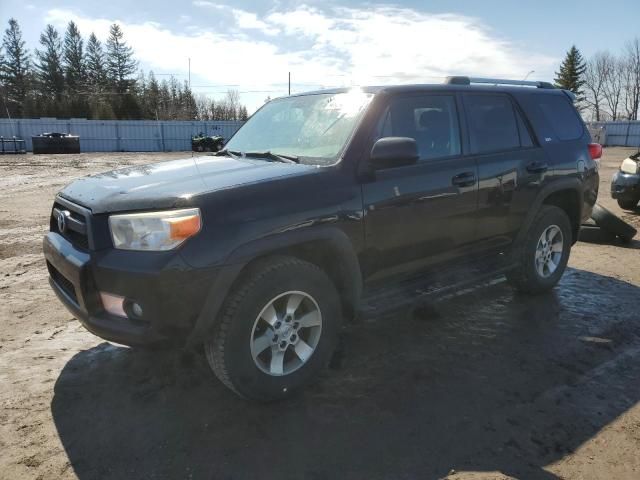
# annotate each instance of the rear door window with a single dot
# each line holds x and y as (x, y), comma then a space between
(432, 120)
(560, 115)
(492, 123)
(525, 136)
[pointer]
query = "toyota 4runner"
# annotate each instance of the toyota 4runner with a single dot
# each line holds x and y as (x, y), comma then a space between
(323, 203)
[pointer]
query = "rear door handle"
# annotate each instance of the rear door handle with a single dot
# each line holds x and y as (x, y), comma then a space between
(537, 167)
(465, 179)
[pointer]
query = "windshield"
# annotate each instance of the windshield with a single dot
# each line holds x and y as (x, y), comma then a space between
(312, 127)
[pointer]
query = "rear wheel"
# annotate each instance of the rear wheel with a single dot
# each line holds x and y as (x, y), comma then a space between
(278, 329)
(543, 255)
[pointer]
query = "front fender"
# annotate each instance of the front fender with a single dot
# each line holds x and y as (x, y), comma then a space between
(335, 245)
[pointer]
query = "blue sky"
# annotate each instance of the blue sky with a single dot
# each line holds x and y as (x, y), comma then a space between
(251, 45)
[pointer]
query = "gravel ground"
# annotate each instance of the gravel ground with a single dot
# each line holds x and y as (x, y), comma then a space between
(485, 384)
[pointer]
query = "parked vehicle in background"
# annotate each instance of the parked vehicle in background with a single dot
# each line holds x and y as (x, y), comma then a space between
(319, 201)
(625, 185)
(204, 143)
(47, 143)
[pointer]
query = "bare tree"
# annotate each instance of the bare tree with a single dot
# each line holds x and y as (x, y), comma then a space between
(631, 73)
(595, 77)
(229, 108)
(613, 85)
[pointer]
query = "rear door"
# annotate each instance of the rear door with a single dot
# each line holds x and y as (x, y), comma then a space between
(419, 213)
(511, 166)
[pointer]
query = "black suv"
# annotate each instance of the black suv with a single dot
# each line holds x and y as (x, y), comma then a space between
(320, 203)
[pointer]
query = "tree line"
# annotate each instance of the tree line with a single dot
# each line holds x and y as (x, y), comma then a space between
(68, 77)
(607, 85)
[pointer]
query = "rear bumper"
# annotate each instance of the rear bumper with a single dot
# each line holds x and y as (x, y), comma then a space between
(625, 186)
(170, 291)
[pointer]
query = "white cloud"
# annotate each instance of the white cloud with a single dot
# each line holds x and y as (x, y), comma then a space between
(337, 46)
(243, 19)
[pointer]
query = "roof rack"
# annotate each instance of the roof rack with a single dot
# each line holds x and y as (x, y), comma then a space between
(458, 80)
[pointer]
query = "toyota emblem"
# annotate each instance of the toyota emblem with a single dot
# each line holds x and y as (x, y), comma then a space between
(62, 220)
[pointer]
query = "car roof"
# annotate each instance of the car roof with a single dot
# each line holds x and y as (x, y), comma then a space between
(433, 87)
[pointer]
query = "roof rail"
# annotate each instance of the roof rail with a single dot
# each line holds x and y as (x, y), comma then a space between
(458, 80)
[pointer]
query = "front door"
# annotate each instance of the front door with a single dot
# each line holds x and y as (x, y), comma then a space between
(421, 213)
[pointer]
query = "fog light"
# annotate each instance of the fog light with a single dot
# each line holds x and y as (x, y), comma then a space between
(136, 308)
(113, 304)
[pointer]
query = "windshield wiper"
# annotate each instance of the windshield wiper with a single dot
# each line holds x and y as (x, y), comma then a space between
(278, 157)
(228, 153)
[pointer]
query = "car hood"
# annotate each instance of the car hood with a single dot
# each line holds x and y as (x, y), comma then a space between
(171, 184)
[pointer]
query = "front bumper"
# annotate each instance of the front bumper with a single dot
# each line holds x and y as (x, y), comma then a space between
(170, 291)
(625, 186)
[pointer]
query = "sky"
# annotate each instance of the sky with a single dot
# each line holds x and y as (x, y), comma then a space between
(252, 45)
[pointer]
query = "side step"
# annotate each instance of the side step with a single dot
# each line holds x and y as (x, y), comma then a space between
(385, 297)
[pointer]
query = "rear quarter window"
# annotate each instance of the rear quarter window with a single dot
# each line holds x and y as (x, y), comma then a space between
(561, 116)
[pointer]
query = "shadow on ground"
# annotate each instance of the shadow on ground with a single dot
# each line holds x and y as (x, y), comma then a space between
(481, 382)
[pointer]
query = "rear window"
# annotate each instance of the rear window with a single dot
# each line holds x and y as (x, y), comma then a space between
(492, 123)
(561, 116)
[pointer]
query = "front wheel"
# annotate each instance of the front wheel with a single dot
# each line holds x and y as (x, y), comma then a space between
(277, 331)
(543, 254)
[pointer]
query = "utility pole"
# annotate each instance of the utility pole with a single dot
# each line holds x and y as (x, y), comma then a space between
(289, 83)
(189, 73)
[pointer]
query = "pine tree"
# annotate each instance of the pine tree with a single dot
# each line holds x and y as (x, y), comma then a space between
(244, 115)
(164, 101)
(15, 68)
(95, 65)
(189, 107)
(120, 63)
(152, 101)
(571, 74)
(49, 63)
(74, 61)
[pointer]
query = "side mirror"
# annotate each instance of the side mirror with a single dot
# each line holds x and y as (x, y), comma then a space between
(390, 152)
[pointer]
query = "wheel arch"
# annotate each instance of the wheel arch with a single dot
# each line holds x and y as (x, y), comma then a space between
(566, 194)
(569, 201)
(328, 248)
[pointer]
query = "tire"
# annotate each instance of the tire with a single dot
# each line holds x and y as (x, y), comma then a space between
(527, 277)
(608, 221)
(628, 204)
(594, 234)
(232, 345)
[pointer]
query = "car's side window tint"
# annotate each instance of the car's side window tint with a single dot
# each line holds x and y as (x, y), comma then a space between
(432, 120)
(561, 115)
(492, 123)
(525, 136)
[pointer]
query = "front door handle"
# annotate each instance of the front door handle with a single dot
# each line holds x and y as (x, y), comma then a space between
(537, 167)
(465, 179)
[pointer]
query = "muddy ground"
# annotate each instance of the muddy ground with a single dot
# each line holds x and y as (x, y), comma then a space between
(485, 384)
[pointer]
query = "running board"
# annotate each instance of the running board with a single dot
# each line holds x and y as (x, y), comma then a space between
(434, 284)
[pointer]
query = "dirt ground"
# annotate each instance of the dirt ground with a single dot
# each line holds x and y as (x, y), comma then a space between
(486, 384)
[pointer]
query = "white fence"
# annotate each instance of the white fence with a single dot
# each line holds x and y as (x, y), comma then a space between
(621, 134)
(120, 135)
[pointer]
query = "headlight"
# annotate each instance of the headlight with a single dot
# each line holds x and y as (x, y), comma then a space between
(629, 166)
(155, 231)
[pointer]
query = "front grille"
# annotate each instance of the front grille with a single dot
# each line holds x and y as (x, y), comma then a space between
(77, 226)
(63, 282)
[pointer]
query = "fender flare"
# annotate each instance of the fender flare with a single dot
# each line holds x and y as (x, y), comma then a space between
(571, 183)
(337, 242)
